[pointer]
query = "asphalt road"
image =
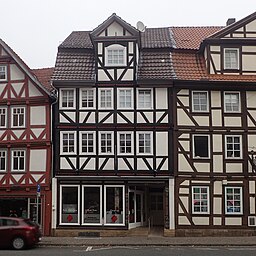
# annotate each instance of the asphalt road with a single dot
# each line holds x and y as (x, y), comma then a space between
(134, 251)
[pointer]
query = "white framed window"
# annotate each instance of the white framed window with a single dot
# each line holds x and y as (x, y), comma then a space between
(144, 143)
(233, 146)
(18, 159)
(201, 146)
(3, 159)
(144, 99)
(200, 199)
(106, 143)
(69, 204)
(125, 98)
(3, 117)
(105, 98)
(3, 73)
(67, 98)
(199, 101)
(67, 142)
(87, 143)
(115, 55)
(87, 98)
(18, 117)
(231, 58)
(91, 205)
(232, 101)
(233, 200)
(125, 143)
(114, 206)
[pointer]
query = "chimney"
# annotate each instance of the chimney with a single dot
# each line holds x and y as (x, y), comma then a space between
(230, 21)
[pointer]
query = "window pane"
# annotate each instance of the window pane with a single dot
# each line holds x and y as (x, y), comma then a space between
(201, 146)
(92, 204)
(69, 202)
(114, 205)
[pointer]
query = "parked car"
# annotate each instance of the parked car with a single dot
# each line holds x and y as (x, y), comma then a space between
(18, 233)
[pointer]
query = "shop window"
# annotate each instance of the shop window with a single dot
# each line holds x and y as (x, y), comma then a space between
(69, 205)
(92, 201)
(114, 205)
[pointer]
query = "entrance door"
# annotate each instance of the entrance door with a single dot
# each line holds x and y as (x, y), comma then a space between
(156, 209)
(135, 209)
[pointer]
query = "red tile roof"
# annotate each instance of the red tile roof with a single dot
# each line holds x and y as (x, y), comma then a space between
(44, 75)
(191, 37)
(191, 66)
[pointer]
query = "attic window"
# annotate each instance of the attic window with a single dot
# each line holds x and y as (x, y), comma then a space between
(3, 73)
(115, 55)
(231, 58)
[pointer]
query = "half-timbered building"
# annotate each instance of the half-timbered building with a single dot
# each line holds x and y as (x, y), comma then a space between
(25, 139)
(112, 170)
(214, 128)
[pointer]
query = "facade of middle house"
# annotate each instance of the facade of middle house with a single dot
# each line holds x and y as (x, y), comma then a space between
(111, 129)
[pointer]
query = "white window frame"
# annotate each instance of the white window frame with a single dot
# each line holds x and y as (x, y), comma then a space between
(78, 205)
(99, 98)
(232, 105)
(200, 200)
(119, 140)
(241, 200)
(228, 66)
(119, 101)
(81, 144)
(3, 157)
(226, 146)
(151, 98)
(5, 117)
(193, 143)
(115, 47)
(19, 116)
(200, 104)
(83, 196)
(151, 143)
(112, 143)
(61, 97)
(61, 142)
(81, 98)
(105, 205)
(12, 160)
(3, 69)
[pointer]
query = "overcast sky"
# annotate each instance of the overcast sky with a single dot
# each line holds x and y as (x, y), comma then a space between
(35, 28)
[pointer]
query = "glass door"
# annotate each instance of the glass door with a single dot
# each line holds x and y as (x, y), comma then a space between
(135, 209)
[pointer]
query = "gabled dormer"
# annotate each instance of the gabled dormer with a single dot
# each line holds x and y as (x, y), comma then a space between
(116, 49)
(232, 50)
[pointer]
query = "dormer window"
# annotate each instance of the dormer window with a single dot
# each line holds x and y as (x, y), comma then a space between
(3, 73)
(231, 58)
(115, 55)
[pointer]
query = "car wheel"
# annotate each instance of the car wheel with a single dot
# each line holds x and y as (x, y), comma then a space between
(18, 243)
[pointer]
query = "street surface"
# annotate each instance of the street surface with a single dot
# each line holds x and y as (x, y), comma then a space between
(134, 251)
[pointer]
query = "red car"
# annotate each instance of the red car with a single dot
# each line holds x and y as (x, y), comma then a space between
(18, 233)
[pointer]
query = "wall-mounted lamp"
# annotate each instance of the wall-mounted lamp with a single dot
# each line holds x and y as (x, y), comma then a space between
(253, 161)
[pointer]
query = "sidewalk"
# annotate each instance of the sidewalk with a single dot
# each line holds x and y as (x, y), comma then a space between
(148, 241)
